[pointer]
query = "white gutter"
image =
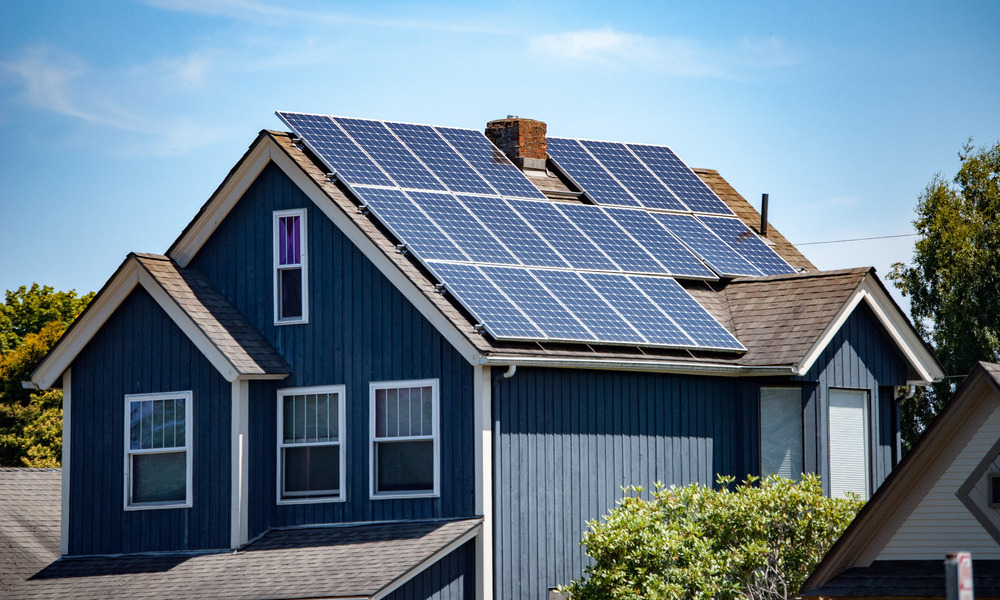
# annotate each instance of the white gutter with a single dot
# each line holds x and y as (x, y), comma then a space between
(636, 365)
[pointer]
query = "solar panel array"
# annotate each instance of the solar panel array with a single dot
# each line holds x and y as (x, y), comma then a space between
(527, 268)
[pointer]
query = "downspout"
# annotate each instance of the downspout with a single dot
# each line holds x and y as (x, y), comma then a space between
(510, 371)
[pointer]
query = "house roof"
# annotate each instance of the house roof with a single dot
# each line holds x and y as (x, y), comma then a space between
(908, 579)
(355, 561)
(29, 523)
(851, 561)
(226, 338)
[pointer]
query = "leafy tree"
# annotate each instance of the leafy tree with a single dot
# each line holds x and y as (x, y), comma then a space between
(31, 321)
(954, 281)
(759, 539)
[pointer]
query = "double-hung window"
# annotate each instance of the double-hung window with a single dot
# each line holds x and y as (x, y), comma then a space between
(158, 450)
(781, 434)
(405, 445)
(291, 298)
(310, 444)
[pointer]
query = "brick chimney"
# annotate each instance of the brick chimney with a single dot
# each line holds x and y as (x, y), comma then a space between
(522, 140)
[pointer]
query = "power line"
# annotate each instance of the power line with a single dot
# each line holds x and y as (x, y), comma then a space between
(864, 239)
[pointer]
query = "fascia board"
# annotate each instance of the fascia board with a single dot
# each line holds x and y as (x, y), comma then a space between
(895, 324)
(655, 366)
(221, 202)
(87, 325)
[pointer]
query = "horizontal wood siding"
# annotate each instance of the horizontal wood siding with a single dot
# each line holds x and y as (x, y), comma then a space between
(566, 441)
(140, 350)
(361, 329)
(861, 357)
(451, 578)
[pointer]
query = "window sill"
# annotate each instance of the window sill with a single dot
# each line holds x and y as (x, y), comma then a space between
(133, 507)
(291, 322)
(404, 495)
(318, 500)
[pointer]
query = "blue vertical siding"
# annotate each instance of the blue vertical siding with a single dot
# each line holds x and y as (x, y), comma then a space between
(140, 350)
(361, 329)
(566, 441)
(451, 578)
(863, 357)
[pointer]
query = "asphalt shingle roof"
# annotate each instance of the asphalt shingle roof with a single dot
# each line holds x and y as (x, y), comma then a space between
(334, 561)
(30, 501)
(907, 579)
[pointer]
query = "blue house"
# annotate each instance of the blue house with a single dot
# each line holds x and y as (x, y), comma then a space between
(394, 360)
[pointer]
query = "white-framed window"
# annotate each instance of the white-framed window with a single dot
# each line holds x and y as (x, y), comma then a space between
(291, 267)
(405, 439)
(850, 469)
(158, 450)
(311, 458)
(781, 432)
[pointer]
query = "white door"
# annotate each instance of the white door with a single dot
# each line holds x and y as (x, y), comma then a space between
(849, 464)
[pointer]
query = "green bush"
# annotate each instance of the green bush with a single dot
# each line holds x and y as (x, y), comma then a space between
(759, 539)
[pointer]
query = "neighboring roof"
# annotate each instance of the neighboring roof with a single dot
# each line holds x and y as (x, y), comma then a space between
(29, 523)
(853, 555)
(356, 561)
(739, 311)
(908, 579)
(226, 338)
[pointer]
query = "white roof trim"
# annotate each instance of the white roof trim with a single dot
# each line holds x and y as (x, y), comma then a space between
(657, 366)
(895, 324)
(128, 276)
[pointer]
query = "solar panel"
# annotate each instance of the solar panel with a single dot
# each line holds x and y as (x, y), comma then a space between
(480, 297)
(336, 149)
(564, 237)
(627, 169)
(527, 294)
(590, 308)
(389, 153)
(513, 231)
(723, 259)
(610, 238)
(748, 244)
(672, 254)
(680, 179)
(587, 173)
(687, 313)
(441, 158)
(490, 162)
(469, 234)
(410, 225)
(642, 314)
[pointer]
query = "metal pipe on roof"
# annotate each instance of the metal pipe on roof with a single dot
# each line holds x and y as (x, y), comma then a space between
(763, 215)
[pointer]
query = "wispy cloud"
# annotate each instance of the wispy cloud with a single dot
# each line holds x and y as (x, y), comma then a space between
(679, 56)
(63, 83)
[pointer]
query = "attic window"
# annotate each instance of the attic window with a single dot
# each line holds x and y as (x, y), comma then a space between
(291, 301)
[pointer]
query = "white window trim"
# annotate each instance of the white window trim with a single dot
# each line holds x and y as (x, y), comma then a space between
(760, 432)
(188, 451)
(304, 264)
(436, 437)
(341, 391)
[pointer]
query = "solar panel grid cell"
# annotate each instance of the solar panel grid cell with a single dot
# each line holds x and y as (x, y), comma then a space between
(336, 149)
(480, 297)
(491, 163)
(627, 169)
(668, 251)
(441, 158)
(546, 312)
(685, 311)
(394, 158)
(589, 307)
(411, 225)
(564, 237)
(611, 238)
(468, 233)
(588, 173)
(680, 179)
(513, 231)
(706, 244)
(748, 244)
(642, 314)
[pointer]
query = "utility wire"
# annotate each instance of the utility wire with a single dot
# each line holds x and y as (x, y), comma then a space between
(864, 239)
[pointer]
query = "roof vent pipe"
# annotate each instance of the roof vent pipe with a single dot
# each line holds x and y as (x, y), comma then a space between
(763, 215)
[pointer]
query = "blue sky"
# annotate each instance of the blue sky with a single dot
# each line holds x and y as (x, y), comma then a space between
(120, 119)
